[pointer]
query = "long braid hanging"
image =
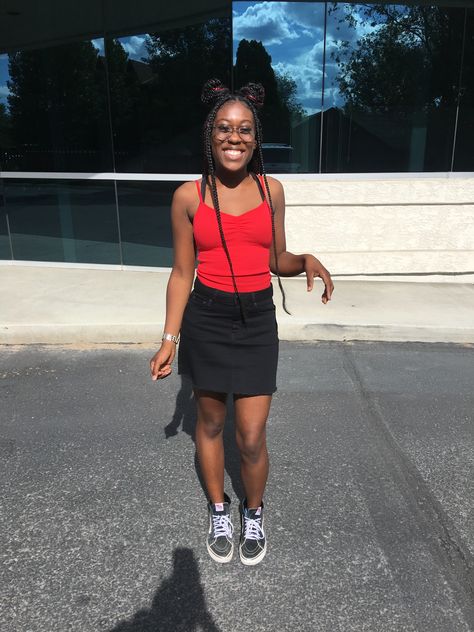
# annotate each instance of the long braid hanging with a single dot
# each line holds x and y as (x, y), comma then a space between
(215, 199)
(212, 88)
(261, 169)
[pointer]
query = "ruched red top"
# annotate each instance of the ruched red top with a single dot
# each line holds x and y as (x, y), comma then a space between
(248, 238)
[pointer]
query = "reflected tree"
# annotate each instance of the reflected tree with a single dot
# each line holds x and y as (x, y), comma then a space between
(411, 58)
(57, 97)
(5, 136)
(181, 60)
(254, 64)
(125, 94)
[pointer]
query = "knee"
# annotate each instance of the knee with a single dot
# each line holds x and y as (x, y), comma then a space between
(251, 446)
(211, 425)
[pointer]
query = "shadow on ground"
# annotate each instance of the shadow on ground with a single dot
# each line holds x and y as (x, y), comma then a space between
(179, 604)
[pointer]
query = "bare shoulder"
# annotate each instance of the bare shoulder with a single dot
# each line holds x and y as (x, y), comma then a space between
(185, 193)
(276, 189)
(186, 199)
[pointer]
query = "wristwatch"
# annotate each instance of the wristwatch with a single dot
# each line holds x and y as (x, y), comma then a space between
(170, 337)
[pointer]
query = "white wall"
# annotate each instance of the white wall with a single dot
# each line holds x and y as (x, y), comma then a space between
(391, 226)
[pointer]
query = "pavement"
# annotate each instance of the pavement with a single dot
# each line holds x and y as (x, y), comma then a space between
(41, 304)
(368, 508)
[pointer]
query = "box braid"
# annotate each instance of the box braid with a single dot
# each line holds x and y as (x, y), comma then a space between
(252, 96)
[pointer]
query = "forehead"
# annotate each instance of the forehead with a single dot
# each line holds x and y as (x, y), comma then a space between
(234, 111)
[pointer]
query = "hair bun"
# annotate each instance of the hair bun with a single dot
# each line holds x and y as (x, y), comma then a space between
(253, 92)
(212, 91)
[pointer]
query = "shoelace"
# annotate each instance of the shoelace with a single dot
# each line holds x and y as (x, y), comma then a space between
(222, 526)
(253, 529)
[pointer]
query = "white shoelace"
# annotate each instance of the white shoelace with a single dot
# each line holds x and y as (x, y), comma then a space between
(253, 529)
(222, 526)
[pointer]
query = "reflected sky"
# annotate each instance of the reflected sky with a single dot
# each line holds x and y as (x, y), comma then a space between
(4, 91)
(293, 34)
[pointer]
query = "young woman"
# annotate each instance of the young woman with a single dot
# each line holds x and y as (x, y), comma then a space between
(233, 219)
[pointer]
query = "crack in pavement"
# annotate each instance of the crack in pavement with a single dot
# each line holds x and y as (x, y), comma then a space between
(434, 526)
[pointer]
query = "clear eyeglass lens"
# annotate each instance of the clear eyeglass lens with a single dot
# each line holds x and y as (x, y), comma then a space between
(224, 131)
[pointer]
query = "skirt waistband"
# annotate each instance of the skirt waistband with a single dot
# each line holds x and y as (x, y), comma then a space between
(230, 297)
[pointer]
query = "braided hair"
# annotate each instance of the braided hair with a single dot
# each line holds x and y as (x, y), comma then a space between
(215, 94)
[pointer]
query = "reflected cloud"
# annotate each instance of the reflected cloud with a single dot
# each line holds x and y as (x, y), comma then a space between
(135, 46)
(98, 44)
(265, 22)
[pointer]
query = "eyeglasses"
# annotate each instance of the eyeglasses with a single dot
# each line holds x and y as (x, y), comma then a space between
(223, 132)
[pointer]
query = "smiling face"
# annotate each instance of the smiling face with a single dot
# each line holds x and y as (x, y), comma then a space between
(234, 151)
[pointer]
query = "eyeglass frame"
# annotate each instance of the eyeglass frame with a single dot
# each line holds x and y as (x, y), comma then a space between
(232, 130)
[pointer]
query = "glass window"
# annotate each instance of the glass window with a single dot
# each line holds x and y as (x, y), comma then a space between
(70, 221)
(53, 115)
(464, 148)
(5, 251)
(145, 222)
(280, 45)
(53, 88)
(156, 76)
(391, 89)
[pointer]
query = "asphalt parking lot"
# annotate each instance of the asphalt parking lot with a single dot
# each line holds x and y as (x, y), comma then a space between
(369, 511)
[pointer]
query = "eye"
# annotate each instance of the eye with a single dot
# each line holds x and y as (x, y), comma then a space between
(224, 129)
(245, 131)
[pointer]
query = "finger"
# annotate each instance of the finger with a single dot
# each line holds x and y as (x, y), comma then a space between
(156, 368)
(309, 280)
(164, 372)
(329, 289)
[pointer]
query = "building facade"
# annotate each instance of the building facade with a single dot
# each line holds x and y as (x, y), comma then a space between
(369, 123)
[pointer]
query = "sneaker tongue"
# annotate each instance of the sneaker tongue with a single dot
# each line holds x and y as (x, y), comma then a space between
(219, 506)
(258, 511)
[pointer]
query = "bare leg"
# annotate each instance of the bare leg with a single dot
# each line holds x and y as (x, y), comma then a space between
(211, 408)
(251, 413)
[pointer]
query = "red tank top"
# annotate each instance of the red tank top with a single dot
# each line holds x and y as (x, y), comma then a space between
(248, 238)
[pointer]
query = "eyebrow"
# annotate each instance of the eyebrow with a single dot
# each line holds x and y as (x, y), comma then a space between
(229, 121)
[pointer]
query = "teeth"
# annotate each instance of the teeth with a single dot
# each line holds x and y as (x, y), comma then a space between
(232, 152)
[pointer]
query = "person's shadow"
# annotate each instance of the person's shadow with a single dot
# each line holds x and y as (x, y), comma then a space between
(185, 415)
(179, 604)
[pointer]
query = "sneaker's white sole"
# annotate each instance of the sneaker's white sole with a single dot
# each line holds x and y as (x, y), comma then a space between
(252, 561)
(217, 558)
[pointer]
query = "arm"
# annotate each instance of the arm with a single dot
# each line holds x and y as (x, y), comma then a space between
(180, 281)
(290, 264)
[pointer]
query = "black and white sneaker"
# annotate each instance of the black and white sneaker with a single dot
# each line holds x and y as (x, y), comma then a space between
(219, 540)
(253, 544)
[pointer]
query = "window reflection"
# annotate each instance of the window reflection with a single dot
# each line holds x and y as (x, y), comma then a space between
(145, 222)
(392, 78)
(155, 85)
(464, 153)
(281, 44)
(5, 251)
(53, 112)
(70, 221)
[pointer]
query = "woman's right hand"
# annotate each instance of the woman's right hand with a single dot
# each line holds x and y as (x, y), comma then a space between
(160, 364)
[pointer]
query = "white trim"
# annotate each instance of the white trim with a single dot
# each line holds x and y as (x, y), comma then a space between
(181, 177)
(420, 277)
(82, 266)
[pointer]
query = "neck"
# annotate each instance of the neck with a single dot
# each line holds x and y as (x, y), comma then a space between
(231, 180)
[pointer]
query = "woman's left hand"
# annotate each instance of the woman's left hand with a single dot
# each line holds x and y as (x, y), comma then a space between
(314, 268)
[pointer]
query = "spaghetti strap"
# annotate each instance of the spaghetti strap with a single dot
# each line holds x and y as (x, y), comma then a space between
(260, 185)
(198, 187)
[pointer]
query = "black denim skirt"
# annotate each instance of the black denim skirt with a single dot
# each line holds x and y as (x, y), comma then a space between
(221, 351)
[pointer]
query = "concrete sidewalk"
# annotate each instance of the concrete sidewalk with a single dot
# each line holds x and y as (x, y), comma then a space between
(75, 305)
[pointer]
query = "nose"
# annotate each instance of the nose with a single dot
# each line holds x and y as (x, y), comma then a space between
(234, 136)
